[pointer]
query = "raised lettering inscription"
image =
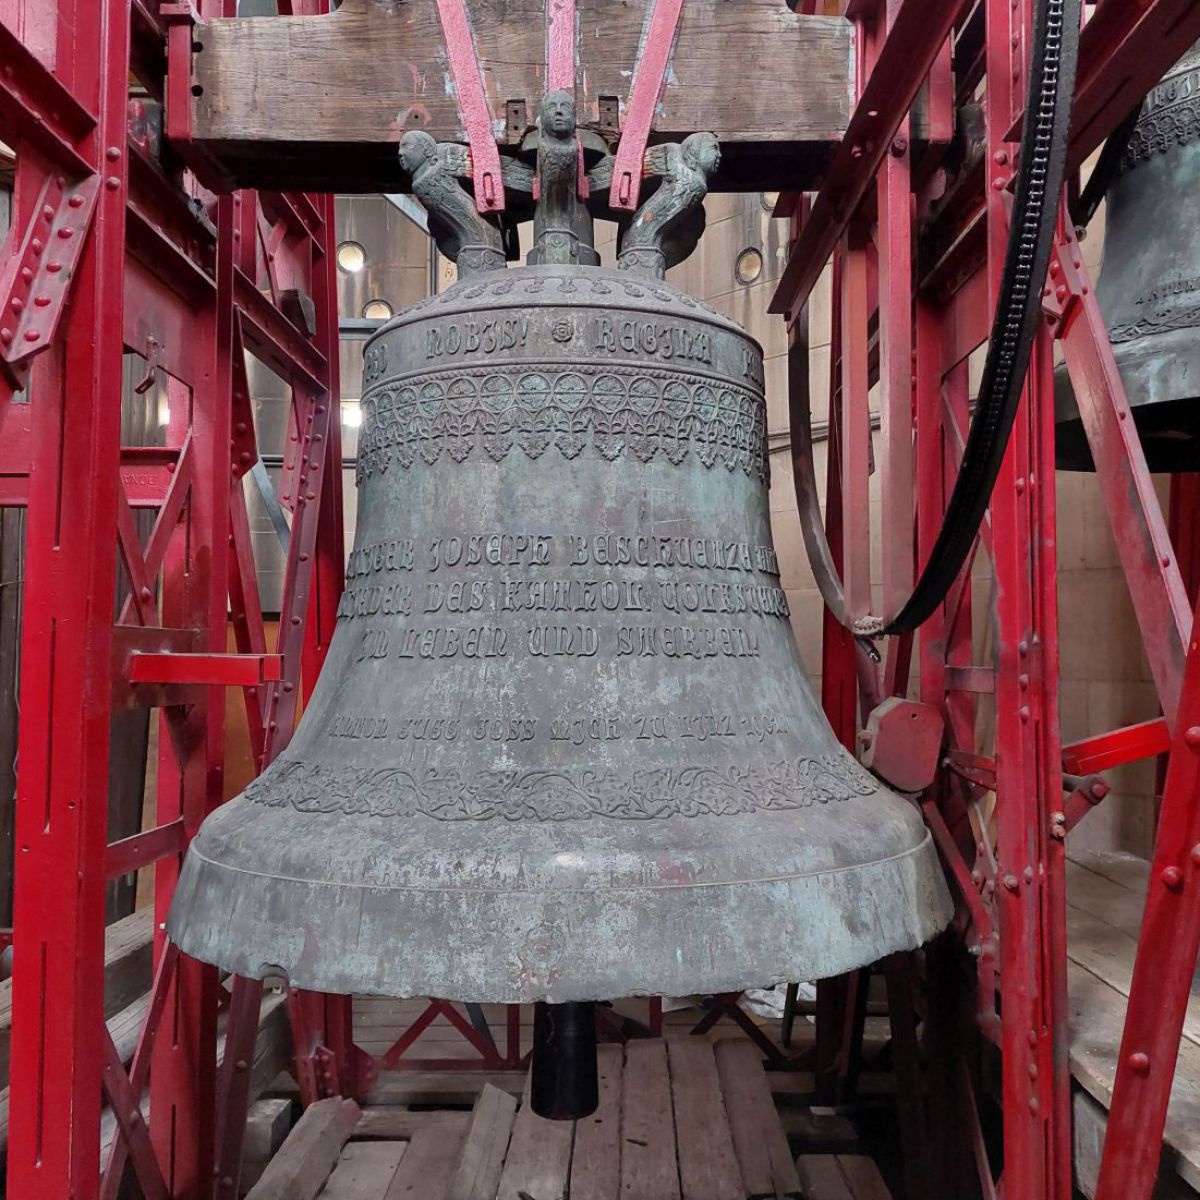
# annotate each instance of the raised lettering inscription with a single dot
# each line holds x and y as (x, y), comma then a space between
(685, 641)
(492, 549)
(577, 730)
(476, 337)
(475, 641)
(377, 727)
(652, 339)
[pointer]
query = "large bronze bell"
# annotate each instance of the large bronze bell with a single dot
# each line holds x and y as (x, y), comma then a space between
(563, 748)
(1149, 288)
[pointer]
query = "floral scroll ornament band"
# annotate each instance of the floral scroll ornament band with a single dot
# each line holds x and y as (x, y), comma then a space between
(653, 793)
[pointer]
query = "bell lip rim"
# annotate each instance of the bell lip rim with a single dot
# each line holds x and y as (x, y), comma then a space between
(926, 910)
(440, 303)
(921, 847)
(930, 912)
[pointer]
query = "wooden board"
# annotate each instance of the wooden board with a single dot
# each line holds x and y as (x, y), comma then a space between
(648, 1162)
(864, 1178)
(822, 1178)
(267, 1124)
(539, 1157)
(392, 1123)
(427, 1166)
(1094, 894)
(1089, 1127)
(758, 1138)
(1105, 898)
(365, 1171)
(440, 1087)
(840, 1177)
(1097, 1016)
(1108, 953)
(663, 1130)
(311, 1151)
(319, 102)
(596, 1159)
(478, 1173)
(708, 1167)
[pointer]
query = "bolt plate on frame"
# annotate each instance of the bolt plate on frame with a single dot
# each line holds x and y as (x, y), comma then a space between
(36, 282)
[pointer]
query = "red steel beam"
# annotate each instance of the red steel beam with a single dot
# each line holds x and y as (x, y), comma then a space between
(35, 281)
(897, 457)
(1139, 529)
(648, 77)
(133, 853)
(273, 339)
(36, 107)
(472, 104)
(208, 670)
(63, 738)
(1030, 894)
(854, 440)
(906, 57)
(1107, 750)
(1163, 969)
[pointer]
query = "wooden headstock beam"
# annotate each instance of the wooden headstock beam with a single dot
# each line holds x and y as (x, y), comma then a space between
(318, 103)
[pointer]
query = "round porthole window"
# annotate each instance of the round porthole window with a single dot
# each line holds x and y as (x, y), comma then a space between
(351, 258)
(749, 265)
(377, 310)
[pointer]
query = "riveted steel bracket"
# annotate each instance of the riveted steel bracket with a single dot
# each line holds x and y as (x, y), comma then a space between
(36, 281)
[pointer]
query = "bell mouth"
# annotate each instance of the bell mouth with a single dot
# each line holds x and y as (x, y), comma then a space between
(1161, 376)
(532, 943)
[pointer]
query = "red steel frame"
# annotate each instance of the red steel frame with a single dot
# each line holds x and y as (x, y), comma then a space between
(107, 254)
(113, 250)
(1009, 873)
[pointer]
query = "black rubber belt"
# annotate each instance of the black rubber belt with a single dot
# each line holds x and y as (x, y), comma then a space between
(1039, 184)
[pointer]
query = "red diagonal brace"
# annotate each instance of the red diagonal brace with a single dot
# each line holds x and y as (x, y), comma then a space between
(473, 104)
(1163, 969)
(913, 45)
(135, 1139)
(1109, 750)
(648, 78)
(35, 282)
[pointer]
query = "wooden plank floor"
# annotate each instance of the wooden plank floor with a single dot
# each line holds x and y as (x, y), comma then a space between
(1105, 897)
(684, 1119)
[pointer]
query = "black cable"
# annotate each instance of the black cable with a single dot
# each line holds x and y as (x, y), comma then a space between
(1040, 175)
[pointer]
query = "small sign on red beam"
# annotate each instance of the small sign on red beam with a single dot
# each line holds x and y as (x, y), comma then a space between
(206, 670)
